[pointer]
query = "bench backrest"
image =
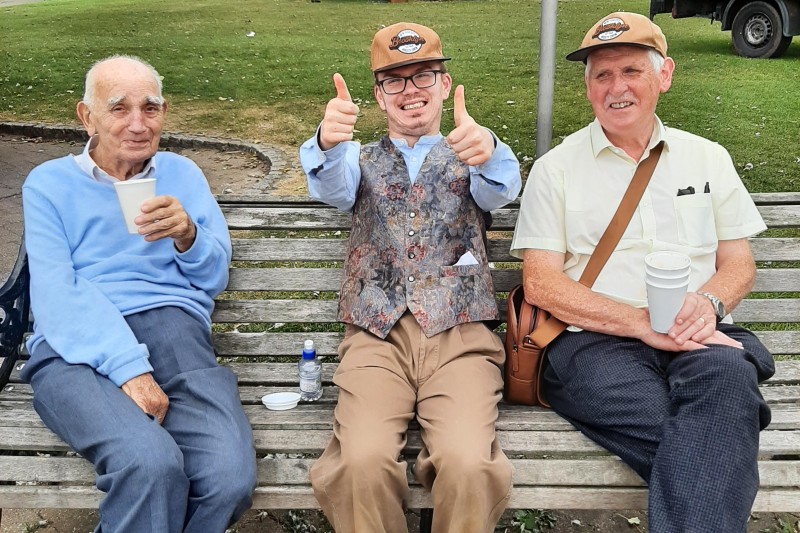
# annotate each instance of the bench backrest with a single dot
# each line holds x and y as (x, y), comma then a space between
(288, 264)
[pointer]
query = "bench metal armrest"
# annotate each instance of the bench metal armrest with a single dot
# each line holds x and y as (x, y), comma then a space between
(14, 314)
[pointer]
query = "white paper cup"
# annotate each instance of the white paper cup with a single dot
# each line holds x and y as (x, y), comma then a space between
(667, 282)
(131, 195)
(667, 274)
(667, 263)
(664, 303)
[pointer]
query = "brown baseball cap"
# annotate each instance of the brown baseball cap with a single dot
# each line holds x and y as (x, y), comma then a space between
(403, 44)
(621, 29)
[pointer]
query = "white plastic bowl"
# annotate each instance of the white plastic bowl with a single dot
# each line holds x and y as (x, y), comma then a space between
(280, 401)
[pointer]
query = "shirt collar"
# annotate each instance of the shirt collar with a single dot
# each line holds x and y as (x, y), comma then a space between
(425, 140)
(600, 142)
(89, 167)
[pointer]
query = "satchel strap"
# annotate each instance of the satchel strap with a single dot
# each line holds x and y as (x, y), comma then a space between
(553, 327)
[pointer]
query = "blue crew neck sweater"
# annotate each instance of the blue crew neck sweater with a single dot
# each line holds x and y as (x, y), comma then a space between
(88, 272)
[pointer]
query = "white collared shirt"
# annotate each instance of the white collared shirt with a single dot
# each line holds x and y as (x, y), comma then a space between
(573, 191)
(89, 167)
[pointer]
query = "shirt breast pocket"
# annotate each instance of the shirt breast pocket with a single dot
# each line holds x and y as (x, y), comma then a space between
(695, 216)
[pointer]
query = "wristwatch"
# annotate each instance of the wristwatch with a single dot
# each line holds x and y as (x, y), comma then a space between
(719, 307)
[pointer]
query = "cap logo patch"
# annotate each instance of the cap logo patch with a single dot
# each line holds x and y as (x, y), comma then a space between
(610, 29)
(407, 42)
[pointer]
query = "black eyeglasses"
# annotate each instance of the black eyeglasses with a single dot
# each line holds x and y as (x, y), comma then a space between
(421, 80)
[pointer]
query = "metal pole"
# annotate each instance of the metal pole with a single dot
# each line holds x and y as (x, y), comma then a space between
(547, 74)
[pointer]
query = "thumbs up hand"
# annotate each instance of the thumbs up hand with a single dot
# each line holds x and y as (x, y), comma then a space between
(340, 117)
(472, 143)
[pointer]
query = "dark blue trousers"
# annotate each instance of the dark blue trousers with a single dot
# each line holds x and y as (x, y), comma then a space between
(687, 423)
(196, 473)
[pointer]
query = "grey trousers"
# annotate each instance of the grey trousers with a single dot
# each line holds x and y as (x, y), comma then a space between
(196, 473)
(687, 423)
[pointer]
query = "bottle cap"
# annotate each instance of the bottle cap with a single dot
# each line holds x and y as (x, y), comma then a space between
(308, 350)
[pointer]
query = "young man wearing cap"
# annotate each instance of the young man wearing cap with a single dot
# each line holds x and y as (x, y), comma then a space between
(683, 408)
(415, 295)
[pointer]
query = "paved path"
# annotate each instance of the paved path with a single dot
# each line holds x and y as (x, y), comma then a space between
(9, 3)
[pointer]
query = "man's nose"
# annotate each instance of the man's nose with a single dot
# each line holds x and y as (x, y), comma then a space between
(136, 122)
(410, 88)
(619, 85)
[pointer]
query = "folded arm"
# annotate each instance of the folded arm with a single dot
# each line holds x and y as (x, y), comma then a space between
(548, 287)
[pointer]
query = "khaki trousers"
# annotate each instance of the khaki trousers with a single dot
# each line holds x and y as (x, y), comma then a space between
(452, 382)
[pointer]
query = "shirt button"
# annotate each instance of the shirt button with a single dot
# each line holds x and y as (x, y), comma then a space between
(414, 159)
(410, 278)
(411, 233)
(412, 215)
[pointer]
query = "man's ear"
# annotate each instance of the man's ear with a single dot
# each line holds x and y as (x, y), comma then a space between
(84, 115)
(376, 89)
(666, 74)
(447, 84)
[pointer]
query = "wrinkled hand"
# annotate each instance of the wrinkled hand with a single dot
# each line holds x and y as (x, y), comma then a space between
(472, 143)
(340, 117)
(696, 320)
(164, 216)
(666, 342)
(145, 392)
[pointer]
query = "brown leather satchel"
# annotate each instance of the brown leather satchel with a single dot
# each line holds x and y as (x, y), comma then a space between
(530, 329)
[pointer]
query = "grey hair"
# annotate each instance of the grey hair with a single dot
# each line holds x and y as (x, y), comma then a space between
(88, 92)
(656, 59)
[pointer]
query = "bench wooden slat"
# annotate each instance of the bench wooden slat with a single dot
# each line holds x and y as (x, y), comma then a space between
(780, 310)
(269, 373)
(330, 279)
(772, 442)
(231, 344)
(329, 249)
(294, 471)
(322, 249)
(288, 497)
(325, 218)
(760, 198)
(253, 394)
(785, 416)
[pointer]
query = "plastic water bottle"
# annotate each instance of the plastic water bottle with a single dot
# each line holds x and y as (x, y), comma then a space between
(309, 369)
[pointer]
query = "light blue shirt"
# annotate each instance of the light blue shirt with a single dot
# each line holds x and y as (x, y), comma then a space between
(86, 163)
(334, 175)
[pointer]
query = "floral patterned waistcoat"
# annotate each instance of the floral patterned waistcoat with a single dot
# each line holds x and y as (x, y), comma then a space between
(405, 240)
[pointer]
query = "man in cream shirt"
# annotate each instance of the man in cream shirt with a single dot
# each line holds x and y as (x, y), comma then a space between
(682, 408)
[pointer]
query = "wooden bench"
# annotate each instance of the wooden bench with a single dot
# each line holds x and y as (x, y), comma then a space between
(287, 265)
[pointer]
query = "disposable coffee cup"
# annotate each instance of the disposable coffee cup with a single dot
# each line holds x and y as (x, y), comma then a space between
(667, 282)
(667, 263)
(664, 302)
(667, 274)
(131, 195)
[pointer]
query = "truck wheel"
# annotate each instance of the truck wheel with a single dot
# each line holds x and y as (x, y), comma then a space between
(757, 31)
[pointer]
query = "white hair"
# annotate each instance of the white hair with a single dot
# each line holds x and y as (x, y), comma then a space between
(89, 87)
(656, 59)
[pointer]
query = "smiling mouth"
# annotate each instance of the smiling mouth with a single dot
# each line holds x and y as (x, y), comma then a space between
(620, 105)
(411, 107)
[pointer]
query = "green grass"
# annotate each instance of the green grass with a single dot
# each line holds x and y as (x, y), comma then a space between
(273, 87)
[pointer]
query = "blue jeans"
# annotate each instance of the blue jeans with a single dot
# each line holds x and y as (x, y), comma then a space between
(196, 473)
(687, 423)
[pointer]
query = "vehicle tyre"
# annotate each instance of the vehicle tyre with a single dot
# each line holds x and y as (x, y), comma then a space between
(757, 31)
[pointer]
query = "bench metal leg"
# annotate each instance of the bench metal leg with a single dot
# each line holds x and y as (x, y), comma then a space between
(425, 520)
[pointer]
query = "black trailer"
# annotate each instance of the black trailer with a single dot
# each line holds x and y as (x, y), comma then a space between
(759, 29)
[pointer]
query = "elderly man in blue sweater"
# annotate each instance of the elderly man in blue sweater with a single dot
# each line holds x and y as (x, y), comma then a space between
(122, 366)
